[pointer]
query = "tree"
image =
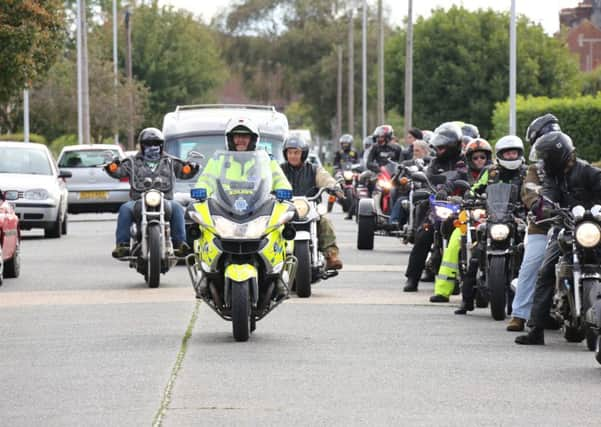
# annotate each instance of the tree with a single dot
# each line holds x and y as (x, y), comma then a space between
(31, 35)
(461, 66)
(176, 57)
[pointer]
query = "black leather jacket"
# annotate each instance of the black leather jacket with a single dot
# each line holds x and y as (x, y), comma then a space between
(581, 185)
(380, 154)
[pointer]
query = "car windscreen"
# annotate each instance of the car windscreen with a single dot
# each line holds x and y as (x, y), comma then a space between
(24, 160)
(209, 144)
(85, 158)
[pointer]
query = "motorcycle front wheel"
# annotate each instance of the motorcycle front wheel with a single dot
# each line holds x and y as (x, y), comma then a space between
(302, 279)
(497, 286)
(241, 310)
(153, 274)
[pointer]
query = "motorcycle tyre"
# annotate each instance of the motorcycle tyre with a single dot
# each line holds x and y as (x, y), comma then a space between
(365, 235)
(302, 280)
(574, 334)
(153, 267)
(497, 287)
(591, 339)
(241, 315)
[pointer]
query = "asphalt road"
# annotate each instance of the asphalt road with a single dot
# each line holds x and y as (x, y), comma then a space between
(84, 342)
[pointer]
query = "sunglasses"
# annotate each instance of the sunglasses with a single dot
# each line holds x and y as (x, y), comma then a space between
(479, 157)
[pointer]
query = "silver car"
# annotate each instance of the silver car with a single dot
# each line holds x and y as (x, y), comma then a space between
(90, 187)
(30, 170)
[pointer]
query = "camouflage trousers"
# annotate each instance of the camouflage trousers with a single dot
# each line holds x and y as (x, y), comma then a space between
(325, 233)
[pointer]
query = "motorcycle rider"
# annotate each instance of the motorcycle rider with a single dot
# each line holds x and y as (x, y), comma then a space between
(242, 134)
(478, 154)
(568, 181)
(305, 178)
(509, 168)
(368, 142)
(383, 149)
(536, 241)
(413, 134)
(468, 132)
(151, 162)
(448, 161)
(346, 154)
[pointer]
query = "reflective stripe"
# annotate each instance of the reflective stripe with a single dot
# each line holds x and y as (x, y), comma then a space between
(445, 278)
(452, 265)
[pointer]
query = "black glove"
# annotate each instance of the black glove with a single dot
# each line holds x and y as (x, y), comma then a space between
(441, 195)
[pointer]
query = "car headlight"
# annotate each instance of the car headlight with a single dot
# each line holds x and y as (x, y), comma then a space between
(152, 199)
(588, 234)
(386, 185)
(38, 194)
(348, 175)
(302, 207)
(442, 212)
(227, 229)
(499, 232)
(478, 214)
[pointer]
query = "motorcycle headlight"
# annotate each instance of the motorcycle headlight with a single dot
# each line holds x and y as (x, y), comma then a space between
(499, 232)
(152, 199)
(442, 212)
(386, 185)
(38, 194)
(588, 234)
(477, 214)
(348, 175)
(227, 229)
(302, 207)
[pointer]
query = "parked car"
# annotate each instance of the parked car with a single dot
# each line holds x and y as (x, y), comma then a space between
(91, 189)
(10, 238)
(201, 128)
(41, 199)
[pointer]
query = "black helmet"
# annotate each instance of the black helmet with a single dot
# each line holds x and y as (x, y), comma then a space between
(448, 135)
(385, 131)
(555, 149)
(540, 126)
(151, 136)
(296, 142)
(346, 142)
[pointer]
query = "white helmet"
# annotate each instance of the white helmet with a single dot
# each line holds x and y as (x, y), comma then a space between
(241, 125)
(509, 142)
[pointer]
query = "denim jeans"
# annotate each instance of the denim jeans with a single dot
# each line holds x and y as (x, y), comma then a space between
(534, 253)
(397, 213)
(126, 218)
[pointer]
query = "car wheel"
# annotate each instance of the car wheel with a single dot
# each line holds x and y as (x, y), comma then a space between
(64, 225)
(54, 231)
(12, 267)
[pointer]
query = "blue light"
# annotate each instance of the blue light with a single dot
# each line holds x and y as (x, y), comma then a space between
(199, 194)
(283, 194)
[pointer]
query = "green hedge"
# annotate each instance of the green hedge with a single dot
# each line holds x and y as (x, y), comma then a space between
(20, 137)
(57, 145)
(579, 117)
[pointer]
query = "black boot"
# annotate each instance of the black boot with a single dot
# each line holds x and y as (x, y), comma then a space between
(439, 298)
(536, 336)
(410, 285)
(465, 307)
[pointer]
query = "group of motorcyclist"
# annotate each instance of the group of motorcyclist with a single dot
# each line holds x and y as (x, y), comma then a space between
(454, 149)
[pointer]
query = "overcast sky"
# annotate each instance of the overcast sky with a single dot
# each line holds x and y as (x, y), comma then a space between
(544, 12)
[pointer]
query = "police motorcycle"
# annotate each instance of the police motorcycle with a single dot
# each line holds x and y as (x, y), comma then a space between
(373, 213)
(501, 241)
(150, 249)
(578, 274)
(241, 253)
(311, 264)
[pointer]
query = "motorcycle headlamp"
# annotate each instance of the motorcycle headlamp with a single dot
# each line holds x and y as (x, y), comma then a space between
(152, 199)
(384, 184)
(302, 207)
(227, 229)
(596, 212)
(499, 232)
(348, 175)
(578, 212)
(588, 234)
(442, 212)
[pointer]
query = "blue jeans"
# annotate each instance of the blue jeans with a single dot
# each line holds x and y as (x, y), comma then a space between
(534, 253)
(126, 218)
(397, 213)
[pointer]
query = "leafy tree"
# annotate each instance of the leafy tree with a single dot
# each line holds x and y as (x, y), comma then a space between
(461, 66)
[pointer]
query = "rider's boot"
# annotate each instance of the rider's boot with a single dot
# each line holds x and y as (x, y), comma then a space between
(332, 260)
(465, 307)
(121, 250)
(536, 336)
(181, 249)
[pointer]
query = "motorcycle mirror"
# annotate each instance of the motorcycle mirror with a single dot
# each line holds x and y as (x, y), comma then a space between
(461, 185)
(419, 176)
(194, 156)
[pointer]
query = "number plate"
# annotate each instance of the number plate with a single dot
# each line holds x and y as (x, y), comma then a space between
(83, 195)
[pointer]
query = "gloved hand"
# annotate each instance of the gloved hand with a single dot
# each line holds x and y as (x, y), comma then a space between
(442, 195)
(541, 210)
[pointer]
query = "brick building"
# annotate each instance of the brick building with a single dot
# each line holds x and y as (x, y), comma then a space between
(584, 32)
